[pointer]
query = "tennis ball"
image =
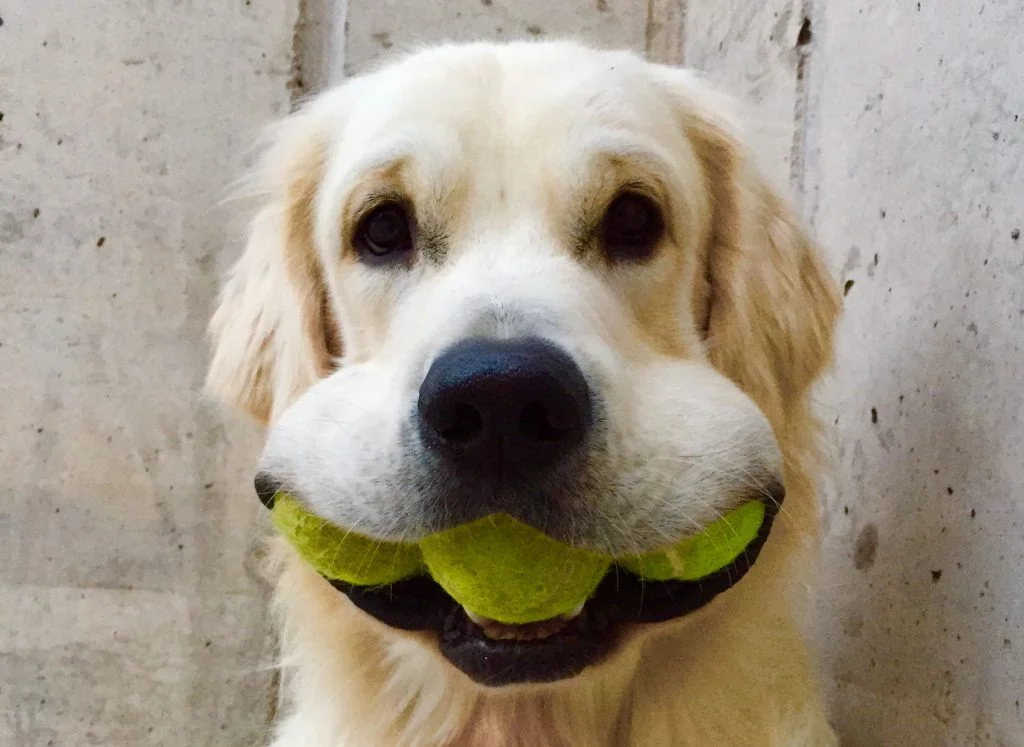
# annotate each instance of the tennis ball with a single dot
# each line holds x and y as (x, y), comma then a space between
(699, 556)
(340, 554)
(502, 569)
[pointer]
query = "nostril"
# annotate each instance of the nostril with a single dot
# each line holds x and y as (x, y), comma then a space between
(504, 408)
(462, 425)
(536, 424)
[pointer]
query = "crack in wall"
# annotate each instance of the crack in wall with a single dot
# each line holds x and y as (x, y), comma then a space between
(312, 47)
(798, 147)
(296, 83)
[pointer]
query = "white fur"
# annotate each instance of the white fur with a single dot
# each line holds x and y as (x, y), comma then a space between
(505, 150)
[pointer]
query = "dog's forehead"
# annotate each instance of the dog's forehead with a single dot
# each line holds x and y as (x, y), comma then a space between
(534, 129)
(477, 97)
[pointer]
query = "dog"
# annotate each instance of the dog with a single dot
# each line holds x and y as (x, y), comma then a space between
(621, 324)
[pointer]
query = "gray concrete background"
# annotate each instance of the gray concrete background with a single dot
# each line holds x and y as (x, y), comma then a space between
(129, 610)
(128, 614)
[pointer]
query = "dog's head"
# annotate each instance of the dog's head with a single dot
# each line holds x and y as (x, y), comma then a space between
(532, 279)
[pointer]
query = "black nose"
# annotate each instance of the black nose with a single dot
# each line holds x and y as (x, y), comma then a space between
(504, 409)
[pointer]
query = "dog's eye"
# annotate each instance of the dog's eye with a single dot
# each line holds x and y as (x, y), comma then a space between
(384, 234)
(632, 227)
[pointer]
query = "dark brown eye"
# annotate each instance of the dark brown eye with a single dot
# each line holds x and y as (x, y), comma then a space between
(632, 227)
(384, 234)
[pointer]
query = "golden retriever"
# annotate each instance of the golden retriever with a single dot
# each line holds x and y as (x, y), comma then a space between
(574, 251)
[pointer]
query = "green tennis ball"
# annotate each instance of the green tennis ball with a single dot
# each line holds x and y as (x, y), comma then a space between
(502, 569)
(699, 556)
(340, 554)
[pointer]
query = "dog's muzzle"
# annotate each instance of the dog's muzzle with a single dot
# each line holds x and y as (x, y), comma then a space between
(503, 423)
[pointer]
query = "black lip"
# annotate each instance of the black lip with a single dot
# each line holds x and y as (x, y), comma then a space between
(266, 488)
(620, 599)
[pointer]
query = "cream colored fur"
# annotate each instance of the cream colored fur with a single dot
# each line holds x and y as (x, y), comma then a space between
(721, 337)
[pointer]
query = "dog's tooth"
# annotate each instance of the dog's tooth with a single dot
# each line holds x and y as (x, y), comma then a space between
(485, 621)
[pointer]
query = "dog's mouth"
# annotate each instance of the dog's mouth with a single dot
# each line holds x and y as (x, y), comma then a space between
(496, 654)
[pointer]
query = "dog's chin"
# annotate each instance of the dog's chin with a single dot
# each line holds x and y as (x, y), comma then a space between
(497, 655)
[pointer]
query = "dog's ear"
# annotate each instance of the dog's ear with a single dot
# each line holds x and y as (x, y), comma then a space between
(769, 304)
(272, 332)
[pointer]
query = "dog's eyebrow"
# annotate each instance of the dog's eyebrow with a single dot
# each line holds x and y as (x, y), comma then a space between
(645, 158)
(379, 162)
(431, 148)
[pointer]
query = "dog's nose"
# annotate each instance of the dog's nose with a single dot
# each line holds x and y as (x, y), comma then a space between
(504, 409)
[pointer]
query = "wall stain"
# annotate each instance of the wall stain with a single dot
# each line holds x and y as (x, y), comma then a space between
(10, 228)
(866, 547)
(852, 261)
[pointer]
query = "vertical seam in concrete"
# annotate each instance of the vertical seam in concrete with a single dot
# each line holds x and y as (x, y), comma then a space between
(664, 31)
(797, 151)
(339, 40)
(295, 81)
(811, 180)
(314, 45)
(276, 693)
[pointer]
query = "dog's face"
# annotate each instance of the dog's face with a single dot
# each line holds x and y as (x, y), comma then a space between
(532, 279)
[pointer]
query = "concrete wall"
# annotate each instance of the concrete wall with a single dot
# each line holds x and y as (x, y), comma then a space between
(916, 186)
(129, 613)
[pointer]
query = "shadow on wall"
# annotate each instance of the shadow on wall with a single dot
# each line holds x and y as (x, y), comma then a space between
(909, 562)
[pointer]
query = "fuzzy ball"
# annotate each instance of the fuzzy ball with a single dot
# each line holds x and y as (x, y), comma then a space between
(502, 569)
(699, 556)
(341, 554)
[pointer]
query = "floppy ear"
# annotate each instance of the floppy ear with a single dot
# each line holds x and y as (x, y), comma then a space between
(769, 304)
(272, 332)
